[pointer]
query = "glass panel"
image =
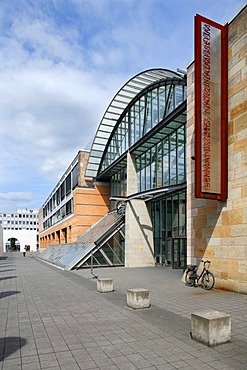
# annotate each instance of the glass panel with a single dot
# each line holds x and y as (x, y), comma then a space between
(154, 167)
(175, 215)
(148, 170)
(142, 115)
(138, 172)
(168, 217)
(148, 118)
(181, 155)
(123, 181)
(63, 190)
(175, 252)
(137, 121)
(162, 100)
(99, 259)
(183, 253)
(155, 112)
(159, 164)
(182, 214)
(68, 184)
(75, 176)
(173, 159)
(143, 172)
(166, 176)
(170, 104)
(122, 133)
(178, 95)
(132, 125)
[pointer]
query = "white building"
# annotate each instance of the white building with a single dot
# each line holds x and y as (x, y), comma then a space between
(19, 230)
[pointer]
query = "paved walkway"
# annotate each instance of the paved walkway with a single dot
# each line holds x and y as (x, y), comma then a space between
(54, 319)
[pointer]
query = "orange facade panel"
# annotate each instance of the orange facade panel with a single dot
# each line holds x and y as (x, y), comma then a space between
(89, 206)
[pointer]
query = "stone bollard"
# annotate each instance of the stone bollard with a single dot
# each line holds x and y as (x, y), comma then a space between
(211, 328)
(104, 285)
(138, 298)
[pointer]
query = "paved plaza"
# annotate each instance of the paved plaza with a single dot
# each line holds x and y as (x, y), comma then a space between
(54, 319)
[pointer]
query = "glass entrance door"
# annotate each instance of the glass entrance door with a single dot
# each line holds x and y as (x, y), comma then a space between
(179, 252)
(169, 230)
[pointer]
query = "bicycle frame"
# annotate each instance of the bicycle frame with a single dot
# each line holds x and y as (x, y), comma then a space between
(194, 268)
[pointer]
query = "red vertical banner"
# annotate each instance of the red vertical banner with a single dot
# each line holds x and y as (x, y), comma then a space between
(211, 109)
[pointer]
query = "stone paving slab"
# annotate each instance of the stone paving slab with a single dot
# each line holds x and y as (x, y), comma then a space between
(54, 319)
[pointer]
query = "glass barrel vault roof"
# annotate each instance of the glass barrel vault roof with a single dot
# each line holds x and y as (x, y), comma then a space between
(116, 108)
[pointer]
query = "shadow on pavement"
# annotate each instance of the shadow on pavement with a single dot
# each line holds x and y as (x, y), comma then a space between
(7, 270)
(8, 277)
(7, 264)
(9, 345)
(7, 294)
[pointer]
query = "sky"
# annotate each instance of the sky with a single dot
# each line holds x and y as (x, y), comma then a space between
(61, 63)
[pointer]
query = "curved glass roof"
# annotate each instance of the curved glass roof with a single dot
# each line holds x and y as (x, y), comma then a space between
(120, 101)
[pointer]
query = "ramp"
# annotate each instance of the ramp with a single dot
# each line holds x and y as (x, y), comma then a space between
(99, 245)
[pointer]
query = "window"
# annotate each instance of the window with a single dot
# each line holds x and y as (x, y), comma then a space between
(63, 190)
(68, 207)
(75, 174)
(68, 184)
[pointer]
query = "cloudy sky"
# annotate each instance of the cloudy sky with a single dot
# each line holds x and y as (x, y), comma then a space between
(62, 61)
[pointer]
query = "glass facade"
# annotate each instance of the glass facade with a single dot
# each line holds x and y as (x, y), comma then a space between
(164, 163)
(141, 116)
(155, 136)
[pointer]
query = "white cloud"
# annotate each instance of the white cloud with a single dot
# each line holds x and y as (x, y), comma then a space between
(13, 196)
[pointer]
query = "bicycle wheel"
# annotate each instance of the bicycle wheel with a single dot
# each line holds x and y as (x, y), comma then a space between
(208, 280)
(188, 280)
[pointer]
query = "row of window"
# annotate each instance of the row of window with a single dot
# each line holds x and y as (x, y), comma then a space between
(12, 215)
(64, 211)
(141, 117)
(18, 222)
(20, 228)
(63, 191)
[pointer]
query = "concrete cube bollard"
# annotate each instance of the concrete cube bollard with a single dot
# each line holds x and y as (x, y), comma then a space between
(104, 285)
(211, 328)
(138, 298)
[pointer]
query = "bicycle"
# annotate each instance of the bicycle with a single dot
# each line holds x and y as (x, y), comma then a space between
(206, 277)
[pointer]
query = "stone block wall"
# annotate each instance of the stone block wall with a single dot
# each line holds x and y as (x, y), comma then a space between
(218, 230)
(139, 247)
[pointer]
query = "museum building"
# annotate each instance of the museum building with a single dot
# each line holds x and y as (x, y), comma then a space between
(165, 181)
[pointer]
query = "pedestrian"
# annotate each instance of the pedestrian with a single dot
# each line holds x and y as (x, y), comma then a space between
(24, 253)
